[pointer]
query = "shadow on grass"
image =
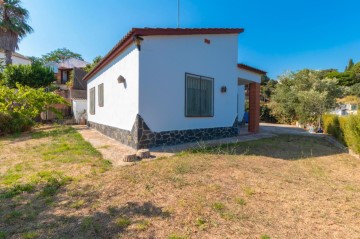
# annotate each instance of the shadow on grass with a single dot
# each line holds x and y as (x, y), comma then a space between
(38, 133)
(111, 224)
(29, 211)
(287, 147)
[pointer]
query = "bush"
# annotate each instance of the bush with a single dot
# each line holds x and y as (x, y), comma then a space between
(266, 115)
(345, 129)
(20, 106)
(27, 101)
(14, 123)
(352, 131)
(34, 75)
(331, 125)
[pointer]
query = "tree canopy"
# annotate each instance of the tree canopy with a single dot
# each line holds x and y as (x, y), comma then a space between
(27, 101)
(303, 96)
(13, 26)
(60, 55)
(34, 75)
(91, 66)
(349, 77)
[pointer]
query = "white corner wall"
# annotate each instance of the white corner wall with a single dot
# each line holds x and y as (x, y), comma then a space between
(241, 102)
(163, 64)
(121, 101)
(79, 107)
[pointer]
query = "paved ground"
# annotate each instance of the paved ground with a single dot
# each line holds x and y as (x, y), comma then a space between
(111, 149)
(114, 151)
(283, 129)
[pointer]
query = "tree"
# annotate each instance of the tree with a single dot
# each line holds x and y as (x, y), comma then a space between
(60, 55)
(91, 66)
(303, 96)
(27, 101)
(355, 90)
(13, 27)
(34, 75)
(350, 65)
(36, 60)
(267, 87)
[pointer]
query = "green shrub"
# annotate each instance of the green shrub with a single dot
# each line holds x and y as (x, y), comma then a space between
(20, 106)
(346, 129)
(331, 125)
(14, 122)
(351, 128)
(266, 114)
(34, 75)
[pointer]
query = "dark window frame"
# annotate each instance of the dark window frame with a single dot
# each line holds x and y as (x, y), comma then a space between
(101, 95)
(212, 99)
(92, 107)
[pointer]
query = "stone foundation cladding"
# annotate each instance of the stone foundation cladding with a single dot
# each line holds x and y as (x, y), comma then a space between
(141, 135)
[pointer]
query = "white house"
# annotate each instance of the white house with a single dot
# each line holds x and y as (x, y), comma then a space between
(345, 109)
(17, 59)
(170, 86)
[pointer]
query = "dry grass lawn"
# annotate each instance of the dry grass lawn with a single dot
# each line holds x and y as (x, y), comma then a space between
(53, 184)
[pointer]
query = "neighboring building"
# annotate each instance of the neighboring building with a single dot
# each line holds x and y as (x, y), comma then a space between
(170, 86)
(17, 59)
(76, 94)
(345, 109)
(64, 69)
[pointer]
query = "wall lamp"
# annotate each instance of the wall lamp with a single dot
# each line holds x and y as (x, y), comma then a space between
(121, 79)
(137, 41)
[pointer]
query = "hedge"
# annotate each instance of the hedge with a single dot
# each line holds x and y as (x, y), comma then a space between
(344, 128)
(14, 123)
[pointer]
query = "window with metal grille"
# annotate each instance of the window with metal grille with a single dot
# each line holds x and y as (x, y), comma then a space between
(199, 96)
(92, 101)
(101, 95)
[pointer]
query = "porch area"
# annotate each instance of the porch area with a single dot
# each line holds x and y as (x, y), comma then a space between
(248, 99)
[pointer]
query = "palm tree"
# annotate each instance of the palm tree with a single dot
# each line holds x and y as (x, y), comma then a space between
(13, 26)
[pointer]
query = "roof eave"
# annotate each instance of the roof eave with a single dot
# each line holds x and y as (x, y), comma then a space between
(128, 39)
(252, 69)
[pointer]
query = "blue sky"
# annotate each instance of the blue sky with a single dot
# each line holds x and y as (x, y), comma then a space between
(279, 35)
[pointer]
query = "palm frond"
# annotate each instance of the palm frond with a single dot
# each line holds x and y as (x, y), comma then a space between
(13, 24)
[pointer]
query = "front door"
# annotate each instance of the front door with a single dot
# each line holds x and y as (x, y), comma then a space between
(64, 77)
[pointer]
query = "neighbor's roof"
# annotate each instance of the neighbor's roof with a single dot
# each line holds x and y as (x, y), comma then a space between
(128, 39)
(17, 55)
(252, 69)
(71, 63)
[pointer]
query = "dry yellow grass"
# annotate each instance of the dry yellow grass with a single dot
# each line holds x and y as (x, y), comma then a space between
(55, 185)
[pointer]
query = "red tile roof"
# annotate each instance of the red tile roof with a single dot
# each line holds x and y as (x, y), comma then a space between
(128, 39)
(252, 69)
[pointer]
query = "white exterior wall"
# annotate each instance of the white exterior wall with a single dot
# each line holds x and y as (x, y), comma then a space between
(16, 60)
(121, 101)
(241, 102)
(163, 64)
(79, 107)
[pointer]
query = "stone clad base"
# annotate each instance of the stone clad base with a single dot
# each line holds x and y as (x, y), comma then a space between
(121, 135)
(141, 136)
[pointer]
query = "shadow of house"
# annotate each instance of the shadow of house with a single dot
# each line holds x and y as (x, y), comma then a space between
(285, 147)
(26, 208)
